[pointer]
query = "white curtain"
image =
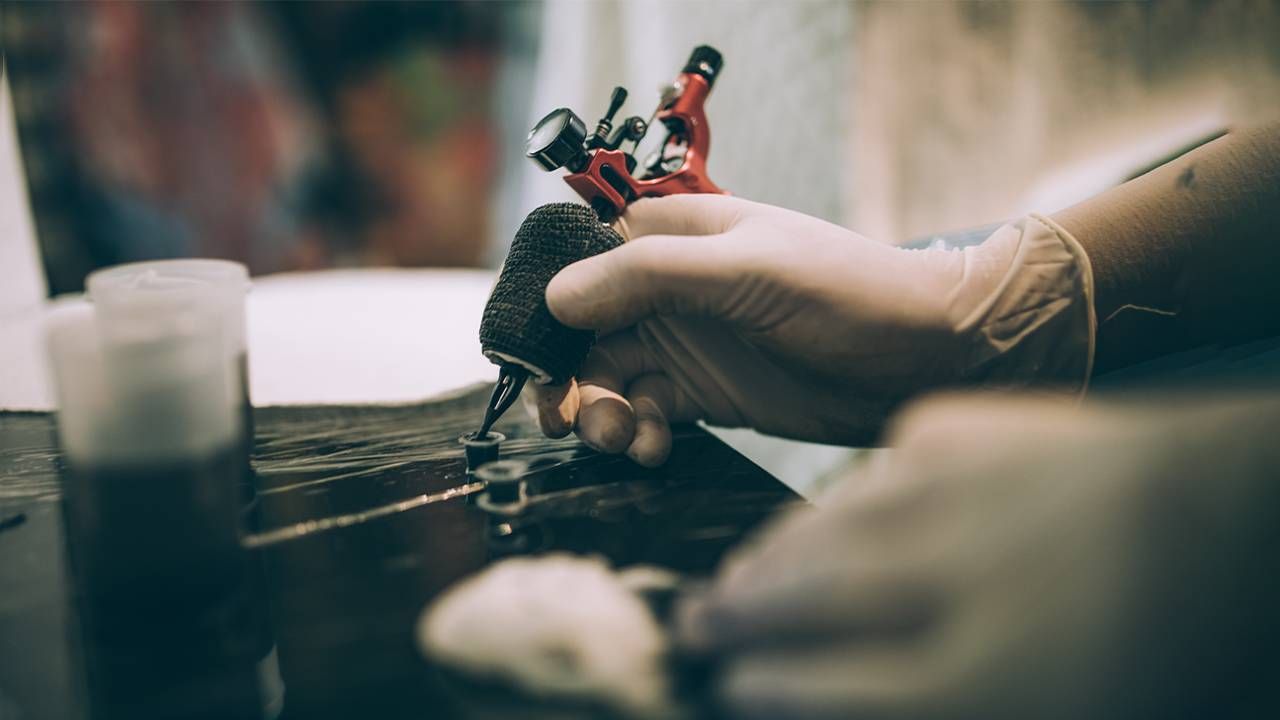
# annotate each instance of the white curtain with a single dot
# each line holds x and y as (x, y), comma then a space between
(22, 284)
(778, 113)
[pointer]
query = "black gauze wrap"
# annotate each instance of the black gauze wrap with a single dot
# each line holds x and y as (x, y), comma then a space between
(516, 322)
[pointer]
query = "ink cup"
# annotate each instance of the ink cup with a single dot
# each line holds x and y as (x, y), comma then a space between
(150, 291)
(504, 482)
(158, 294)
(151, 445)
(481, 450)
(151, 437)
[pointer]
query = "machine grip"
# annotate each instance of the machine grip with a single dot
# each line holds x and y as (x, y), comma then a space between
(517, 327)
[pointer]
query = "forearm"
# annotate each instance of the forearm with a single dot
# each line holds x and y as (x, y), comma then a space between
(1196, 240)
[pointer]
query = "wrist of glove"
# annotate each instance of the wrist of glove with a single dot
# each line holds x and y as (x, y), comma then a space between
(1022, 309)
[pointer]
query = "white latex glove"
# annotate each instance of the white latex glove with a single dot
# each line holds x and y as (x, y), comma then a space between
(743, 314)
(1016, 559)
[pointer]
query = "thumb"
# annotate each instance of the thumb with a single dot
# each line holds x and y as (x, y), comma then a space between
(655, 275)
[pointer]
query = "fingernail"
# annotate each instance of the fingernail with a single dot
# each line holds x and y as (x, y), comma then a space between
(645, 457)
(635, 455)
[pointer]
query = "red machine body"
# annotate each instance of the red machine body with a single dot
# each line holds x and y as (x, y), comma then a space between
(604, 173)
(606, 177)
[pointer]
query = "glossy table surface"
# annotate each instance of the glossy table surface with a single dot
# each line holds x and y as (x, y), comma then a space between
(362, 515)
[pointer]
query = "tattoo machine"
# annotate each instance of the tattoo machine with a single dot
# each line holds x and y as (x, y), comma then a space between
(517, 331)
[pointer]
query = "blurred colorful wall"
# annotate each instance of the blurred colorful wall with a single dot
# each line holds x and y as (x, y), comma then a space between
(309, 135)
(288, 136)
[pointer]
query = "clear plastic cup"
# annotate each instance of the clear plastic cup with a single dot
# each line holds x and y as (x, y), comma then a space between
(142, 397)
(147, 291)
(153, 463)
(145, 297)
(152, 449)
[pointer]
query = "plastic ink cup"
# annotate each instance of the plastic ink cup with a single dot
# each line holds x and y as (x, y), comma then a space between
(151, 438)
(481, 450)
(503, 480)
(158, 297)
(159, 293)
(152, 446)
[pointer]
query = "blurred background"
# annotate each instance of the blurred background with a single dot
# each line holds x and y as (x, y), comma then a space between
(302, 136)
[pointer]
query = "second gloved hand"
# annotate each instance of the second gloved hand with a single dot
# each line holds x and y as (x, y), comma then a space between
(1011, 558)
(743, 314)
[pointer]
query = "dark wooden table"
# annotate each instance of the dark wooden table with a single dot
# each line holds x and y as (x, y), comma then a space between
(361, 516)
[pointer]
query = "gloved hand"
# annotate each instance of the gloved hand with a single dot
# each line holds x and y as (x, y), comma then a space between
(743, 314)
(1016, 559)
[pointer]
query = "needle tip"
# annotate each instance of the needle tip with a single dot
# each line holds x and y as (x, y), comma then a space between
(510, 381)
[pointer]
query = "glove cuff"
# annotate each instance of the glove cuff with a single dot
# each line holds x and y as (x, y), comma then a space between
(1024, 306)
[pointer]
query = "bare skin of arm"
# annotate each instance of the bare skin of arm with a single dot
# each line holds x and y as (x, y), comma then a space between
(1189, 253)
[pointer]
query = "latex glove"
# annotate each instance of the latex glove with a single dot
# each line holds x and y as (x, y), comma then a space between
(1014, 559)
(743, 314)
